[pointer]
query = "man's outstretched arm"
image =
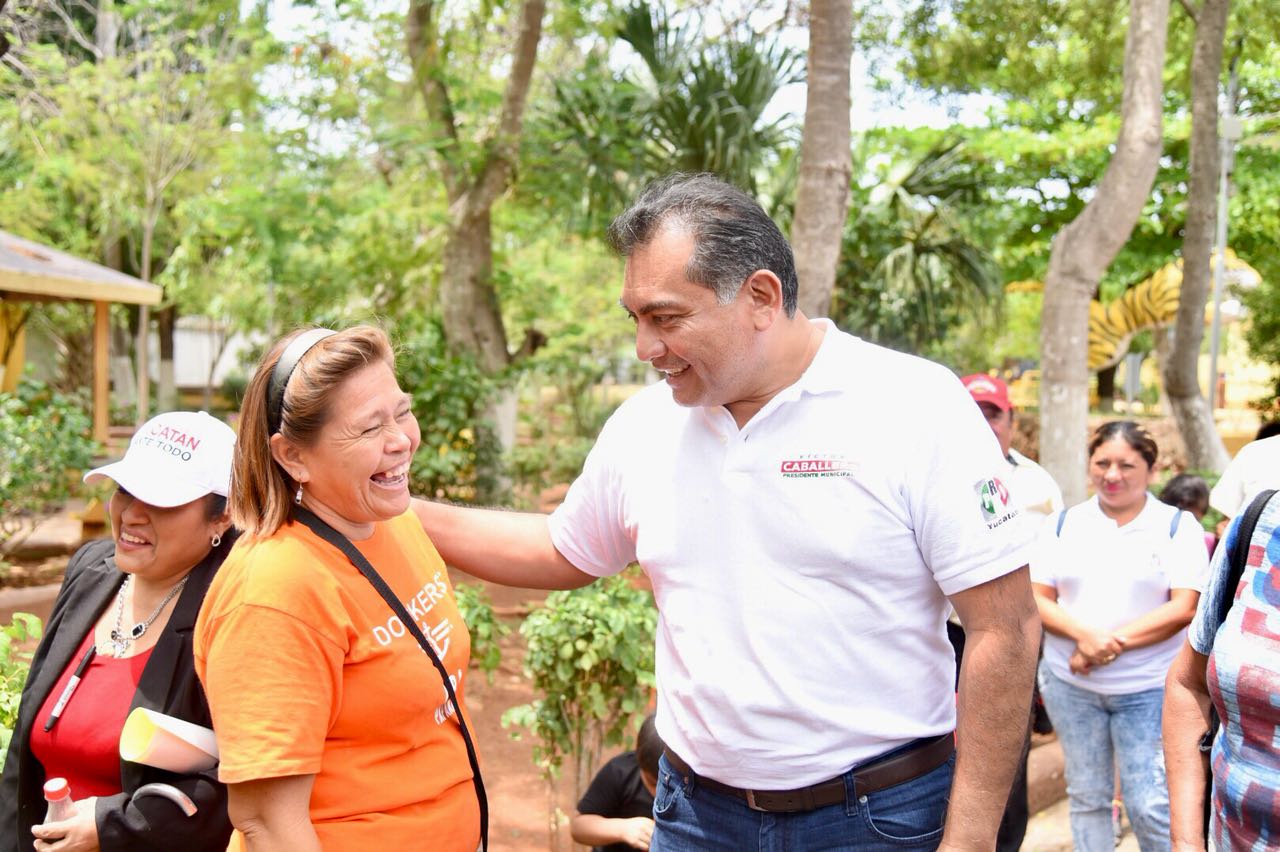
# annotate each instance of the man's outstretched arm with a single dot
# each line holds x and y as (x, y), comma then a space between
(510, 548)
(1002, 642)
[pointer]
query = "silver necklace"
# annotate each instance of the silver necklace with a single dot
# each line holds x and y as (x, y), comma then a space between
(120, 641)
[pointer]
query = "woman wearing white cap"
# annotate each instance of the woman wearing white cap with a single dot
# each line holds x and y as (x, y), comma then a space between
(119, 638)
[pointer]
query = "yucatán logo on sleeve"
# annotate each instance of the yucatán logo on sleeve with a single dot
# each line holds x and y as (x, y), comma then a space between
(993, 499)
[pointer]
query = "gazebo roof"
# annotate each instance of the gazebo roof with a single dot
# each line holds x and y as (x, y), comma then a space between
(30, 269)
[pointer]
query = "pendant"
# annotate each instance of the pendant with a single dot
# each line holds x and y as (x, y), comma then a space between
(119, 644)
(138, 630)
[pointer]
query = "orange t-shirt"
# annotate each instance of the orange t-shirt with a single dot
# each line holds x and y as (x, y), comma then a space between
(307, 671)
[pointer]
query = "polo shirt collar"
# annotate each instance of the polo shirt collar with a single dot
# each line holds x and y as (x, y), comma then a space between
(823, 375)
(1148, 517)
(825, 372)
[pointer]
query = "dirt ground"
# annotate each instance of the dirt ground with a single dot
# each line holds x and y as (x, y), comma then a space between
(519, 800)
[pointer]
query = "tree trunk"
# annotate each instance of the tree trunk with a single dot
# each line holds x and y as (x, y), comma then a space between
(166, 385)
(1194, 413)
(471, 312)
(124, 382)
(822, 195)
(106, 31)
(471, 315)
(1084, 249)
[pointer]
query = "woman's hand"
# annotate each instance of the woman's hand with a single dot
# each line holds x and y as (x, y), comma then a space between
(1098, 649)
(1079, 665)
(78, 834)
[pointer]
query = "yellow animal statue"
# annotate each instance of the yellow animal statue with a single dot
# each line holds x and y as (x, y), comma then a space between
(1151, 303)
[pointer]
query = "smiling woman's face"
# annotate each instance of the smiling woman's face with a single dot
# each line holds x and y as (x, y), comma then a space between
(1120, 476)
(357, 471)
(159, 544)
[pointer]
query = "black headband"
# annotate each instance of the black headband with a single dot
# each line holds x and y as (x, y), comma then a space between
(293, 353)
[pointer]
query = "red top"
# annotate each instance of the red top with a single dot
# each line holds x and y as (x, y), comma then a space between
(84, 745)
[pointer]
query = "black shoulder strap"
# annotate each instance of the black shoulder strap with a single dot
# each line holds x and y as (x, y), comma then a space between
(340, 541)
(1238, 555)
(1062, 518)
(1173, 525)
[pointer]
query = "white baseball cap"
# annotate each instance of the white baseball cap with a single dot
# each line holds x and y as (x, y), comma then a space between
(174, 458)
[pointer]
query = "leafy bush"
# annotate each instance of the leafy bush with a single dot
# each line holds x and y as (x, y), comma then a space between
(14, 665)
(45, 439)
(485, 627)
(590, 656)
(460, 457)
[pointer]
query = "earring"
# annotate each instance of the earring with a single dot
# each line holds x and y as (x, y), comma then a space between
(297, 498)
(216, 540)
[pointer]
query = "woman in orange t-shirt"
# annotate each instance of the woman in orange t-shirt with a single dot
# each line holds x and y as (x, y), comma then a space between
(335, 729)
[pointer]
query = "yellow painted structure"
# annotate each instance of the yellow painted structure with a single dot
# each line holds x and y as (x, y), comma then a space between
(1151, 303)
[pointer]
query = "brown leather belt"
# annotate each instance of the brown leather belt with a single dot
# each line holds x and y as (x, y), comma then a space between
(904, 766)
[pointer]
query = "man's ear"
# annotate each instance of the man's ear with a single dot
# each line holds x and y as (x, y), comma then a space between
(287, 455)
(764, 289)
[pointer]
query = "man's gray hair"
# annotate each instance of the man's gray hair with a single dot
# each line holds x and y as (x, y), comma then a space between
(733, 236)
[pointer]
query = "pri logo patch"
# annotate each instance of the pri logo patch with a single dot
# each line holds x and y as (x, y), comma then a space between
(993, 499)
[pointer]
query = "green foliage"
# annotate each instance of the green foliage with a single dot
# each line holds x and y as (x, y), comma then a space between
(44, 445)
(590, 657)
(14, 664)
(692, 103)
(449, 397)
(483, 624)
(911, 269)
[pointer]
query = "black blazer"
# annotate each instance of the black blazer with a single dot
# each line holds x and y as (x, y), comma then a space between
(168, 685)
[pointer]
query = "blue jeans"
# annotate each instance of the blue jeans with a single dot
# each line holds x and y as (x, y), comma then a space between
(1098, 733)
(909, 816)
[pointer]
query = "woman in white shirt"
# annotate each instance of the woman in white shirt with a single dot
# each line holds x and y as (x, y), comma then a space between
(1117, 579)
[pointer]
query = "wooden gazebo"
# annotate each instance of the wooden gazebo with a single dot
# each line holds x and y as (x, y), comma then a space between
(31, 272)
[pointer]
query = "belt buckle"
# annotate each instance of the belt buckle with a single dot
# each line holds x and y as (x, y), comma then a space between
(751, 801)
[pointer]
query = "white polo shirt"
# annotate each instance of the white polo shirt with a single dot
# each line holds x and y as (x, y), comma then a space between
(1108, 575)
(800, 563)
(1255, 468)
(1034, 491)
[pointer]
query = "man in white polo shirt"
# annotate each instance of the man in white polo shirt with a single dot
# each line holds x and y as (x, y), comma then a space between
(803, 548)
(1255, 468)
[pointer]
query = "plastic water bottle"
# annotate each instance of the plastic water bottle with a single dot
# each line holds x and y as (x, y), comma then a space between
(57, 792)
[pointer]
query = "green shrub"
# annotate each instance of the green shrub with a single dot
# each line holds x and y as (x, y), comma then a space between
(460, 457)
(45, 441)
(483, 624)
(14, 665)
(590, 657)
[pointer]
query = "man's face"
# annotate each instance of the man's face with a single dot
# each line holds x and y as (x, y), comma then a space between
(1001, 422)
(703, 348)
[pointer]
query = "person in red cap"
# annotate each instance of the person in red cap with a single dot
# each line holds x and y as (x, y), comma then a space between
(1031, 488)
(1033, 491)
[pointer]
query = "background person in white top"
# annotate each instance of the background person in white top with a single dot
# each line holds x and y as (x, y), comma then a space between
(1033, 492)
(802, 549)
(1031, 487)
(1255, 468)
(1117, 585)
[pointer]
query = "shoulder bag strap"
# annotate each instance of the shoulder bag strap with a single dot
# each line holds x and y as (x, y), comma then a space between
(1237, 561)
(1238, 555)
(340, 541)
